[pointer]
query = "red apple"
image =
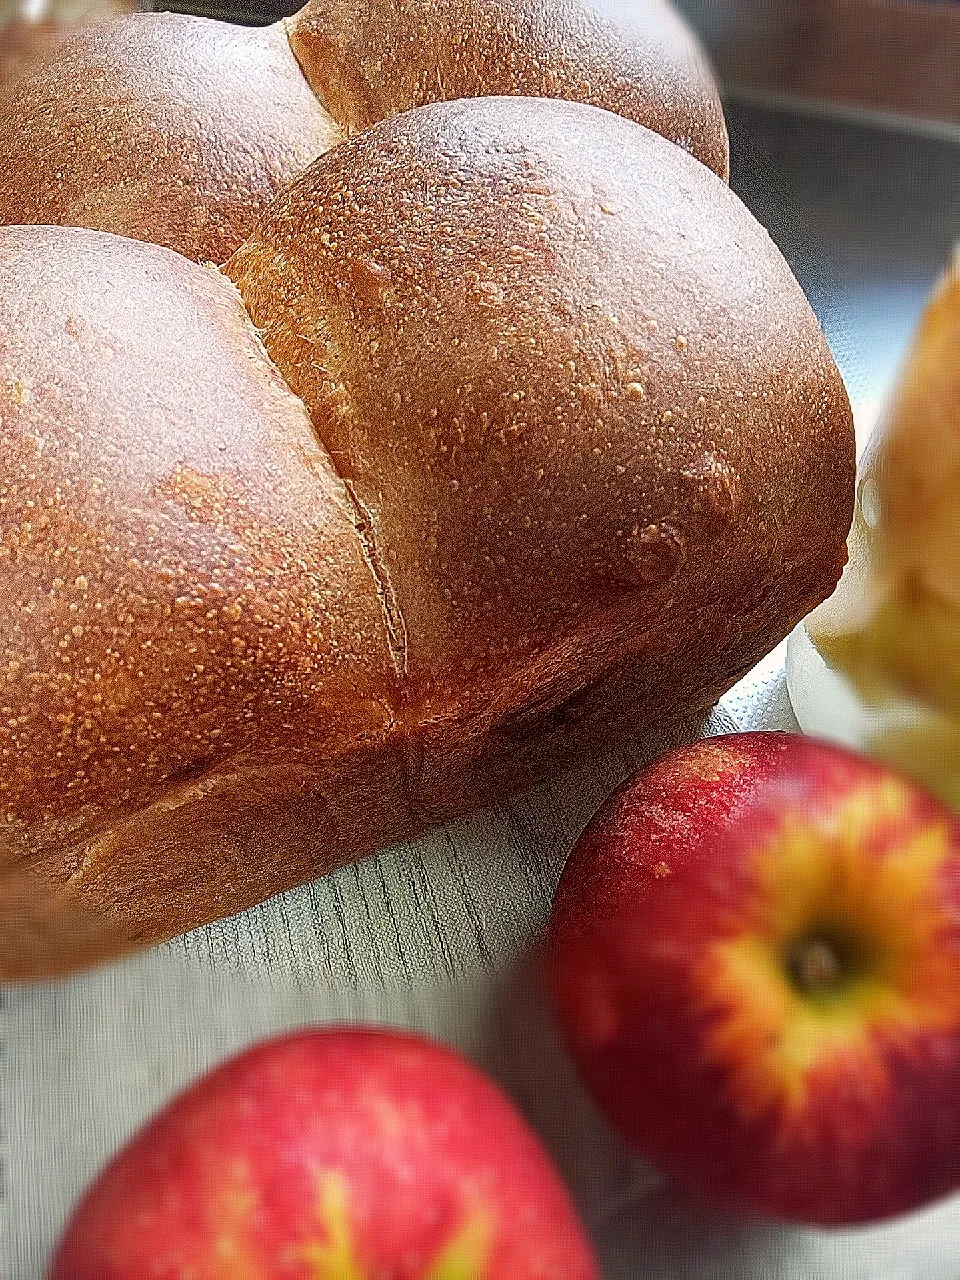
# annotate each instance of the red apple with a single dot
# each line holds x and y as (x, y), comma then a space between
(330, 1155)
(755, 956)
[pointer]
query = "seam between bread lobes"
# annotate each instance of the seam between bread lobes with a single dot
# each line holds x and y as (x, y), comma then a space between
(395, 628)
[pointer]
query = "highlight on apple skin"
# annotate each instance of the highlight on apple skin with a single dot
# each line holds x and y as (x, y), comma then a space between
(337, 1154)
(755, 957)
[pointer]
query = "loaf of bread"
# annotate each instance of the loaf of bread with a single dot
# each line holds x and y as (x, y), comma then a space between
(179, 130)
(508, 432)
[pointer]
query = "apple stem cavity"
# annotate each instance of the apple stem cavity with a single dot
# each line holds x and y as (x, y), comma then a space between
(817, 966)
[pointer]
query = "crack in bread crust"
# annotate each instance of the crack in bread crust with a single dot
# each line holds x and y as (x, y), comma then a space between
(392, 614)
(395, 627)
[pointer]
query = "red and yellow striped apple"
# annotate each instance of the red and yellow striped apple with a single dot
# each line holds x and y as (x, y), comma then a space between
(330, 1155)
(755, 956)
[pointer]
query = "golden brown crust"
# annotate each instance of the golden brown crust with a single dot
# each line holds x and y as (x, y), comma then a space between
(582, 365)
(179, 130)
(188, 624)
(368, 60)
(167, 128)
(585, 458)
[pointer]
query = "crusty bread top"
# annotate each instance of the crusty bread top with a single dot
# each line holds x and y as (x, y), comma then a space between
(162, 127)
(543, 345)
(367, 60)
(180, 578)
(180, 130)
(583, 457)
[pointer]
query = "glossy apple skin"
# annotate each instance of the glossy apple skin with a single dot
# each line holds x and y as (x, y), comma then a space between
(331, 1155)
(674, 929)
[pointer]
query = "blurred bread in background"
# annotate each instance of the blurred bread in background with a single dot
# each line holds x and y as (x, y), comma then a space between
(29, 29)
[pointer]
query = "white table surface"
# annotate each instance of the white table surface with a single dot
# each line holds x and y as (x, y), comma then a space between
(442, 936)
